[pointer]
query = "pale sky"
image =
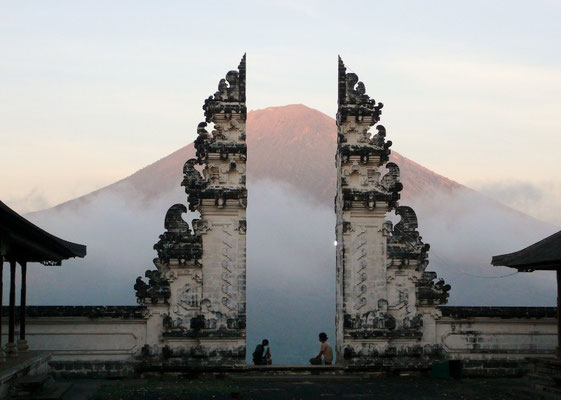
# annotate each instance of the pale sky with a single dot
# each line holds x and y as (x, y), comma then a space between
(90, 92)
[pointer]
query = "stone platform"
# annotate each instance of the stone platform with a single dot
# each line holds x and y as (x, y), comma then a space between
(24, 364)
(544, 379)
(281, 370)
(254, 387)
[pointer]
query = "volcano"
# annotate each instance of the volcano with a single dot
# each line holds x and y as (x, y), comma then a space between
(292, 144)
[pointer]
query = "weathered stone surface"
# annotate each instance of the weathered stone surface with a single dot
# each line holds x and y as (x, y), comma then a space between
(121, 312)
(386, 302)
(465, 312)
(111, 341)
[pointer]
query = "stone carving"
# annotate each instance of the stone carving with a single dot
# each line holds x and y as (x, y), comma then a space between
(189, 296)
(404, 243)
(156, 291)
(430, 292)
(390, 181)
(178, 242)
(359, 263)
(192, 179)
(353, 100)
(383, 290)
(228, 299)
(230, 97)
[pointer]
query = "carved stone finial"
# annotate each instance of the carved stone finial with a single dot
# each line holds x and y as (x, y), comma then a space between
(353, 100)
(405, 243)
(430, 292)
(178, 242)
(390, 181)
(230, 96)
(192, 179)
(174, 221)
(201, 142)
(157, 290)
(408, 223)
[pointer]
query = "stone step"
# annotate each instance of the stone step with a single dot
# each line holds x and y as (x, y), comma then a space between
(545, 392)
(547, 368)
(52, 391)
(533, 394)
(32, 382)
(549, 376)
(539, 378)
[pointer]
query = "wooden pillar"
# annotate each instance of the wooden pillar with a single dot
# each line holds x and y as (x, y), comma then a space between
(559, 312)
(22, 343)
(2, 354)
(11, 348)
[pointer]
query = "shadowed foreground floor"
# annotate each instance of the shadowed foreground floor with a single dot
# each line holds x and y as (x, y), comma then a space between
(296, 387)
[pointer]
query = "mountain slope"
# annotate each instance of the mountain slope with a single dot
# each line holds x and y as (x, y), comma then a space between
(291, 151)
(294, 144)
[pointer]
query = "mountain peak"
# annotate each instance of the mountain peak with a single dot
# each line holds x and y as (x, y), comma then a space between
(294, 144)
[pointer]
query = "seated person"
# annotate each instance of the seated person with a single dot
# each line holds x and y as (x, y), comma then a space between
(325, 351)
(267, 352)
(262, 354)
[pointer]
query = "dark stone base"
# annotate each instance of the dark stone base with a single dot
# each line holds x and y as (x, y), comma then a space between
(190, 364)
(494, 368)
(362, 354)
(389, 364)
(380, 366)
(93, 369)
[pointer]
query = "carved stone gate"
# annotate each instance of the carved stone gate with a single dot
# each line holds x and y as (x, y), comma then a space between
(195, 298)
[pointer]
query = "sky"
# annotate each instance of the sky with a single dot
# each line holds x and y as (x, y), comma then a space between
(92, 91)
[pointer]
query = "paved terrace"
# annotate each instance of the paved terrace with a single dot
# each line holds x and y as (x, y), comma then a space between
(297, 387)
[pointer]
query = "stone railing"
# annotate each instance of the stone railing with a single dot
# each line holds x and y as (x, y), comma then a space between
(497, 340)
(107, 340)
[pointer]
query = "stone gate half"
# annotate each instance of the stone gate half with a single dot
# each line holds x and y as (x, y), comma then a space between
(196, 296)
(386, 300)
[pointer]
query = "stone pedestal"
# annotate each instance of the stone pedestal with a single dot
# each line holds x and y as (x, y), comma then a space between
(22, 345)
(11, 349)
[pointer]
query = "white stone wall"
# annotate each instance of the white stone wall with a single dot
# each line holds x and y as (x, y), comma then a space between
(81, 338)
(114, 339)
(496, 338)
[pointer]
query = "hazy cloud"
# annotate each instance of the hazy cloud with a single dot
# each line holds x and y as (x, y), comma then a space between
(32, 201)
(541, 199)
(465, 231)
(290, 257)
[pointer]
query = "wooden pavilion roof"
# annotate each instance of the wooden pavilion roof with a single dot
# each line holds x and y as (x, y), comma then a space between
(23, 241)
(543, 255)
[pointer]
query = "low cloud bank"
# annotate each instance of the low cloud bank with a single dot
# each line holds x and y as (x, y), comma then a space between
(537, 199)
(290, 256)
(34, 200)
(465, 230)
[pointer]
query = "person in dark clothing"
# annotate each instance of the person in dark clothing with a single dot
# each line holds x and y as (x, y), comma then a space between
(262, 354)
(267, 352)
